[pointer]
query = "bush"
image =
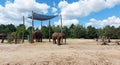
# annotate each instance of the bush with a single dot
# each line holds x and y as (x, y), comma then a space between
(10, 38)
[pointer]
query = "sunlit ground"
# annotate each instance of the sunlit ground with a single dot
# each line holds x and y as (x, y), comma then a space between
(76, 52)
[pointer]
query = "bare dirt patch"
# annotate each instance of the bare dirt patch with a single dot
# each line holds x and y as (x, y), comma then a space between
(76, 52)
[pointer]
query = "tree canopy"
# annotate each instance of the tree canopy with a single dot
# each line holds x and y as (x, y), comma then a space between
(74, 31)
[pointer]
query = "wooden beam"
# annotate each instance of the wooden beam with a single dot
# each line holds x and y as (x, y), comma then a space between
(61, 22)
(49, 32)
(32, 21)
(23, 30)
(41, 26)
(31, 35)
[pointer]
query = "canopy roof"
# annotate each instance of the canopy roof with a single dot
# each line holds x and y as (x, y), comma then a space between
(42, 17)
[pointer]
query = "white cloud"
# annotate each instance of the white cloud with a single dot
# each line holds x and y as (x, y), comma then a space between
(66, 22)
(62, 4)
(12, 13)
(112, 21)
(54, 10)
(83, 8)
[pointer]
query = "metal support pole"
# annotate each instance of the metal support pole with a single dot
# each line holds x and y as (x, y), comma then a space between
(49, 31)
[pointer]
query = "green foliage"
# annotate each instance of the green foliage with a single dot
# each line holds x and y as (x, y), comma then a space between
(56, 28)
(10, 28)
(118, 32)
(20, 30)
(10, 38)
(91, 32)
(110, 31)
(7, 29)
(45, 32)
(29, 30)
(2, 28)
(74, 31)
(65, 30)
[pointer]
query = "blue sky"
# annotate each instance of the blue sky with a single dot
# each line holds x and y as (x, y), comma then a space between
(97, 13)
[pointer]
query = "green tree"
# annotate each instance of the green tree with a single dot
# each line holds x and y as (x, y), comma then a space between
(56, 28)
(7, 29)
(10, 28)
(2, 29)
(37, 29)
(100, 32)
(72, 31)
(20, 29)
(110, 31)
(117, 32)
(45, 32)
(91, 32)
(65, 30)
(77, 31)
(80, 32)
(29, 29)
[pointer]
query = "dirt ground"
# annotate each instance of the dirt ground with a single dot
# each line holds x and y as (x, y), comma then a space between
(76, 52)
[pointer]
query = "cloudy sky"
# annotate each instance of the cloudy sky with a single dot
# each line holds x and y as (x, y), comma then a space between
(97, 13)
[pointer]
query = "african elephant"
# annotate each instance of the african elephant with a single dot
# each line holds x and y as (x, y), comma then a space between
(3, 36)
(59, 37)
(38, 36)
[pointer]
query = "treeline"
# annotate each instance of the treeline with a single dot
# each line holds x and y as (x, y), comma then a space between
(74, 31)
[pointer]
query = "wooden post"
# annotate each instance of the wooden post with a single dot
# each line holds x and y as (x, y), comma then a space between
(49, 31)
(41, 26)
(31, 35)
(61, 22)
(16, 40)
(23, 31)
(32, 21)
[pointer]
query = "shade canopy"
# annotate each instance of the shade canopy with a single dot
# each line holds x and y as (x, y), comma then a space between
(42, 17)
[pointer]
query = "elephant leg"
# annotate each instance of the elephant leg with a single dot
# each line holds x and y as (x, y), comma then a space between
(36, 40)
(65, 40)
(2, 40)
(40, 39)
(61, 39)
(58, 40)
(54, 41)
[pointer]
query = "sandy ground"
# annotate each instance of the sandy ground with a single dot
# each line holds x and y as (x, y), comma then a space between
(76, 52)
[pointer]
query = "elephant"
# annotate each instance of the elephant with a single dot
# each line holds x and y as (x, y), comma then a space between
(38, 36)
(54, 37)
(3, 36)
(59, 37)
